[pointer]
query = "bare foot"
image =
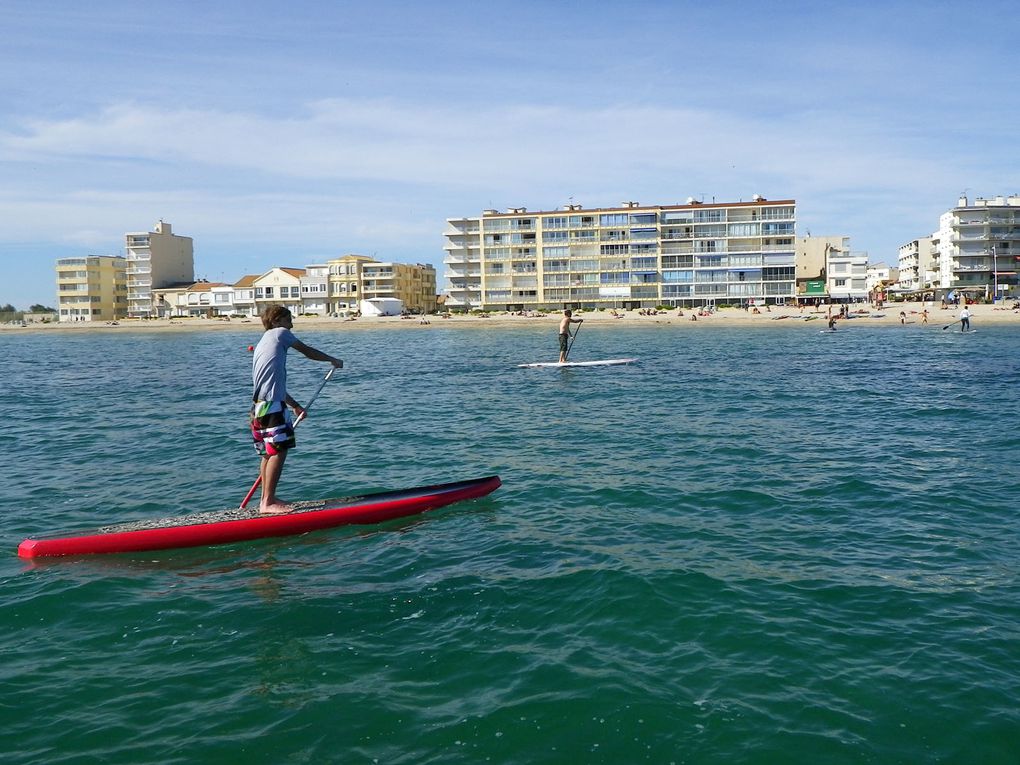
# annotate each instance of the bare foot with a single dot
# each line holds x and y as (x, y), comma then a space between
(277, 508)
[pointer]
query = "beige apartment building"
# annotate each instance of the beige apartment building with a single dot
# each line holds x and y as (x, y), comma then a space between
(632, 256)
(155, 259)
(413, 284)
(92, 288)
(353, 278)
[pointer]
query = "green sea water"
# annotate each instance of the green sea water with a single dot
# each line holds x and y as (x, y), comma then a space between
(765, 545)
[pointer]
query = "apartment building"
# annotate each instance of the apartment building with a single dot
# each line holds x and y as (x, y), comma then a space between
(353, 278)
(917, 264)
(812, 263)
(413, 284)
(846, 276)
(92, 288)
(315, 290)
(631, 256)
(158, 258)
(977, 247)
(345, 282)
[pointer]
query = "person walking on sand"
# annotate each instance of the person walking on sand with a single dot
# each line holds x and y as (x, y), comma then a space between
(924, 316)
(272, 429)
(565, 323)
(964, 318)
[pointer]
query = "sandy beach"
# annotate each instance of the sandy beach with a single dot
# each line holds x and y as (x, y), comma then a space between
(775, 316)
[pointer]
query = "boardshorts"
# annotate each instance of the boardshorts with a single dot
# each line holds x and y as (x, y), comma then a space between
(563, 343)
(271, 428)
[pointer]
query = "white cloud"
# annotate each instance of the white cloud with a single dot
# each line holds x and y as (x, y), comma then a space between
(520, 147)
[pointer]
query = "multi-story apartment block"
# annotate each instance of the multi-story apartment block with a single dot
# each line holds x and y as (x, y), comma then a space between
(632, 256)
(353, 278)
(917, 264)
(345, 282)
(315, 290)
(812, 256)
(977, 246)
(158, 258)
(413, 284)
(846, 275)
(92, 288)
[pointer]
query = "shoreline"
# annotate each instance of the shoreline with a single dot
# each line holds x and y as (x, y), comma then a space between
(778, 316)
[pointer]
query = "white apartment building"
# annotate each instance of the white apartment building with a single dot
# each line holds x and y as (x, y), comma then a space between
(917, 264)
(632, 256)
(846, 276)
(880, 276)
(977, 246)
(315, 290)
(158, 258)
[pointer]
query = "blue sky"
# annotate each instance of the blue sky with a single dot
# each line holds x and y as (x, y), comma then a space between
(286, 133)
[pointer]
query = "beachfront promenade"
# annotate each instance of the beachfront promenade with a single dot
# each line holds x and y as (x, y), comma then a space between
(774, 316)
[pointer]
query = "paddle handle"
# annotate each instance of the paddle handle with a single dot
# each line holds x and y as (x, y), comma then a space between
(572, 339)
(258, 481)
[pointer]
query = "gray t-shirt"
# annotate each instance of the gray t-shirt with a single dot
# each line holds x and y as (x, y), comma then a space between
(269, 365)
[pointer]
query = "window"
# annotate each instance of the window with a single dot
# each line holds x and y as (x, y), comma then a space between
(840, 282)
(620, 220)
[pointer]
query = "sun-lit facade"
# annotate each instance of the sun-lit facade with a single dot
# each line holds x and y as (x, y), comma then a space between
(633, 256)
(977, 247)
(158, 258)
(92, 288)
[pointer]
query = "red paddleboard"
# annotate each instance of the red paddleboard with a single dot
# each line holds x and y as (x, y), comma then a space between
(240, 525)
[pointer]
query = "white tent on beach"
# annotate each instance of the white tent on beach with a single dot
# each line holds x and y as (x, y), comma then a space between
(382, 307)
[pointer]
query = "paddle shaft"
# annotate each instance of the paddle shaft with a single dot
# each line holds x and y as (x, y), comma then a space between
(571, 345)
(952, 323)
(258, 481)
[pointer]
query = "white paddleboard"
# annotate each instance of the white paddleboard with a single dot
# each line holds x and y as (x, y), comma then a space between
(602, 363)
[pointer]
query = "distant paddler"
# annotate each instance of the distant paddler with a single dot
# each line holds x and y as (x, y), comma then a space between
(565, 335)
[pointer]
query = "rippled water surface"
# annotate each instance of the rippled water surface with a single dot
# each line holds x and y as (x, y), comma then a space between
(754, 545)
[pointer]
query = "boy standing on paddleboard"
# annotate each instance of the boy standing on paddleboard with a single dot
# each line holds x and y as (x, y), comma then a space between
(565, 323)
(271, 427)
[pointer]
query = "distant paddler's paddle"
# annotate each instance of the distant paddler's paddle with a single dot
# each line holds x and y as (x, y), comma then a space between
(951, 324)
(572, 339)
(300, 417)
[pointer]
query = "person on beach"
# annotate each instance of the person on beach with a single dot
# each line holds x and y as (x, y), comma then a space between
(272, 428)
(565, 323)
(924, 316)
(964, 318)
